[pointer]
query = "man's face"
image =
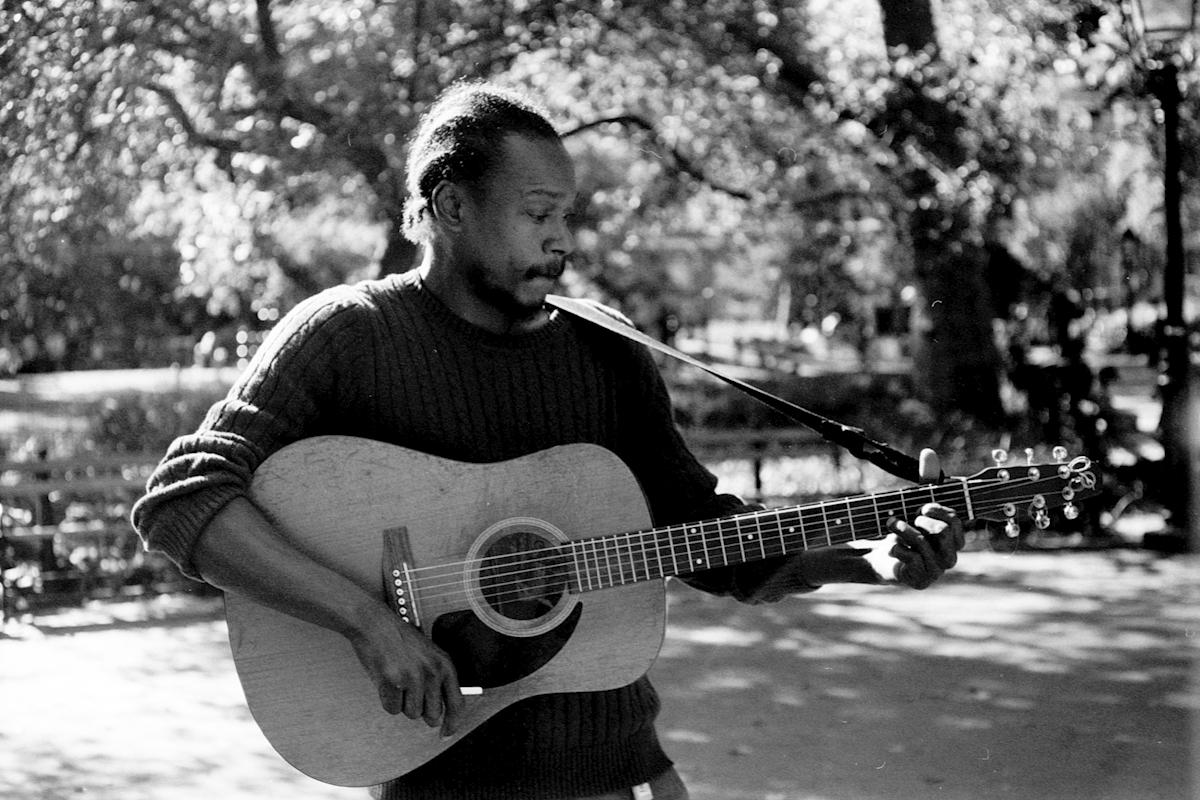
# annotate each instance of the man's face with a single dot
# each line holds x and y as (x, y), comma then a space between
(516, 237)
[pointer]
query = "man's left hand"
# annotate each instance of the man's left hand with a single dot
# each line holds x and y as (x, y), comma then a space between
(929, 545)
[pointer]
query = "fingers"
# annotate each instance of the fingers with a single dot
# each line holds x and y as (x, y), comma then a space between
(453, 703)
(430, 693)
(413, 676)
(927, 548)
(917, 564)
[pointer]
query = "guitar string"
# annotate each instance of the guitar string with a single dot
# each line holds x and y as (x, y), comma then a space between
(619, 546)
(703, 528)
(873, 501)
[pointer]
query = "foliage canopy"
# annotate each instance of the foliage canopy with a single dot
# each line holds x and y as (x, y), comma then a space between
(177, 166)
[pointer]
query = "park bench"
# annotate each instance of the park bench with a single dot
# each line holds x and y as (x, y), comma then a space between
(64, 527)
(757, 446)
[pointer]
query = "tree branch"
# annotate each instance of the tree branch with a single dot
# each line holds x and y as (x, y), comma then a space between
(220, 143)
(682, 164)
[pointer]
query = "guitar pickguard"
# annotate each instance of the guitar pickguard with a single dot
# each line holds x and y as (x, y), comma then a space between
(485, 657)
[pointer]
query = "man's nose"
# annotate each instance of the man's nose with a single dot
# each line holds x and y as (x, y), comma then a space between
(562, 242)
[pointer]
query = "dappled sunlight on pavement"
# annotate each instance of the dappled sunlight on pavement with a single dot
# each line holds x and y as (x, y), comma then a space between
(1058, 676)
(1061, 675)
(134, 712)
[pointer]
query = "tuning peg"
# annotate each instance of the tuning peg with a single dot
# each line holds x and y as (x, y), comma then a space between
(999, 455)
(1029, 456)
(1059, 454)
(1071, 511)
(1011, 529)
(1041, 519)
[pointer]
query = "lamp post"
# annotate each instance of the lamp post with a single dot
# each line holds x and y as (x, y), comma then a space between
(1162, 27)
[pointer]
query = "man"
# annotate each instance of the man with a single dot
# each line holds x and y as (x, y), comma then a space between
(462, 359)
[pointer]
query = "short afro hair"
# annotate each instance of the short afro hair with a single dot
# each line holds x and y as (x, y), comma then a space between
(459, 138)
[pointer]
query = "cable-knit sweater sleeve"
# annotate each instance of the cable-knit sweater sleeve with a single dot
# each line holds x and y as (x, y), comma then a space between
(282, 397)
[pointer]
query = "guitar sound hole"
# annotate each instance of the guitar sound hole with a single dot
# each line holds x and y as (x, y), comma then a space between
(523, 576)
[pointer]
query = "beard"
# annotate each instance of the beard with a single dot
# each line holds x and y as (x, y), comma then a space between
(520, 298)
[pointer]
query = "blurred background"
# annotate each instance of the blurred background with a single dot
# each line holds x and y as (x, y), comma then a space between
(965, 224)
(955, 224)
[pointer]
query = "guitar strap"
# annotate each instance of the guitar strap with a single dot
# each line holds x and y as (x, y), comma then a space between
(852, 439)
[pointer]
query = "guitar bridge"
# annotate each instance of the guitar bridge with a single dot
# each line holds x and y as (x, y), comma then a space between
(397, 578)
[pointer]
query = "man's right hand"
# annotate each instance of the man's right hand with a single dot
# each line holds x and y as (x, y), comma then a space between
(241, 551)
(414, 676)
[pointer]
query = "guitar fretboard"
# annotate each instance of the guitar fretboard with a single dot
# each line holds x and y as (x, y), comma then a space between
(606, 561)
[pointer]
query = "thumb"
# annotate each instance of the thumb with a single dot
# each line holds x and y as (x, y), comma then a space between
(930, 467)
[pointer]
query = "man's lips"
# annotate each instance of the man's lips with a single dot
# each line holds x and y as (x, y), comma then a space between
(551, 271)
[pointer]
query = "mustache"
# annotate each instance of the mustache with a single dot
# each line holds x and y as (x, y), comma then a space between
(550, 269)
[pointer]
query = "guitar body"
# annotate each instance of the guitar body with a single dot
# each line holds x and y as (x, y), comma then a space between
(342, 500)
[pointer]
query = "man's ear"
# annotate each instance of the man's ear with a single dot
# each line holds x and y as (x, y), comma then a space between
(447, 204)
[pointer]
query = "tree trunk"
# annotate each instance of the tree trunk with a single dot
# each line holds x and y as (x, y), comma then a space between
(908, 24)
(957, 353)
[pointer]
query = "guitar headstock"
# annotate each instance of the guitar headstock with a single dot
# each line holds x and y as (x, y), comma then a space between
(1011, 492)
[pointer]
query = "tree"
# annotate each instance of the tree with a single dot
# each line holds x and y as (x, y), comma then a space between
(729, 144)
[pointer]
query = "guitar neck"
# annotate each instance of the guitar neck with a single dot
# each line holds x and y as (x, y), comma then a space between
(605, 561)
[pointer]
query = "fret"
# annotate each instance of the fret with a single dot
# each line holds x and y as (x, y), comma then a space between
(702, 561)
(850, 518)
(662, 570)
(645, 557)
(737, 532)
(756, 536)
(904, 506)
(879, 523)
(658, 548)
(687, 544)
(593, 561)
(634, 559)
(968, 506)
(623, 555)
(599, 580)
(629, 558)
(724, 540)
(608, 578)
(619, 555)
(803, 534)
(825, 524)
(677, 548)
(576, 550)
(581, 549)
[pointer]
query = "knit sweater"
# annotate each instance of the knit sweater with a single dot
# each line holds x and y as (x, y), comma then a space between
(388, 361)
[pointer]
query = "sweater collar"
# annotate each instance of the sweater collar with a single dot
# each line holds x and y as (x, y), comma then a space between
(429, 303)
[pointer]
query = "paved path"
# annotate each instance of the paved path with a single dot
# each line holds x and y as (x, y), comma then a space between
(1030, 677)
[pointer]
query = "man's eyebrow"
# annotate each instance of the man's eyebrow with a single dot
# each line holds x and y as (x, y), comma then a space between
(539, 191)
(550, 194)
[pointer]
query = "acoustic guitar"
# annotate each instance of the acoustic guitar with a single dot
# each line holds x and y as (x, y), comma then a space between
(541, 574)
